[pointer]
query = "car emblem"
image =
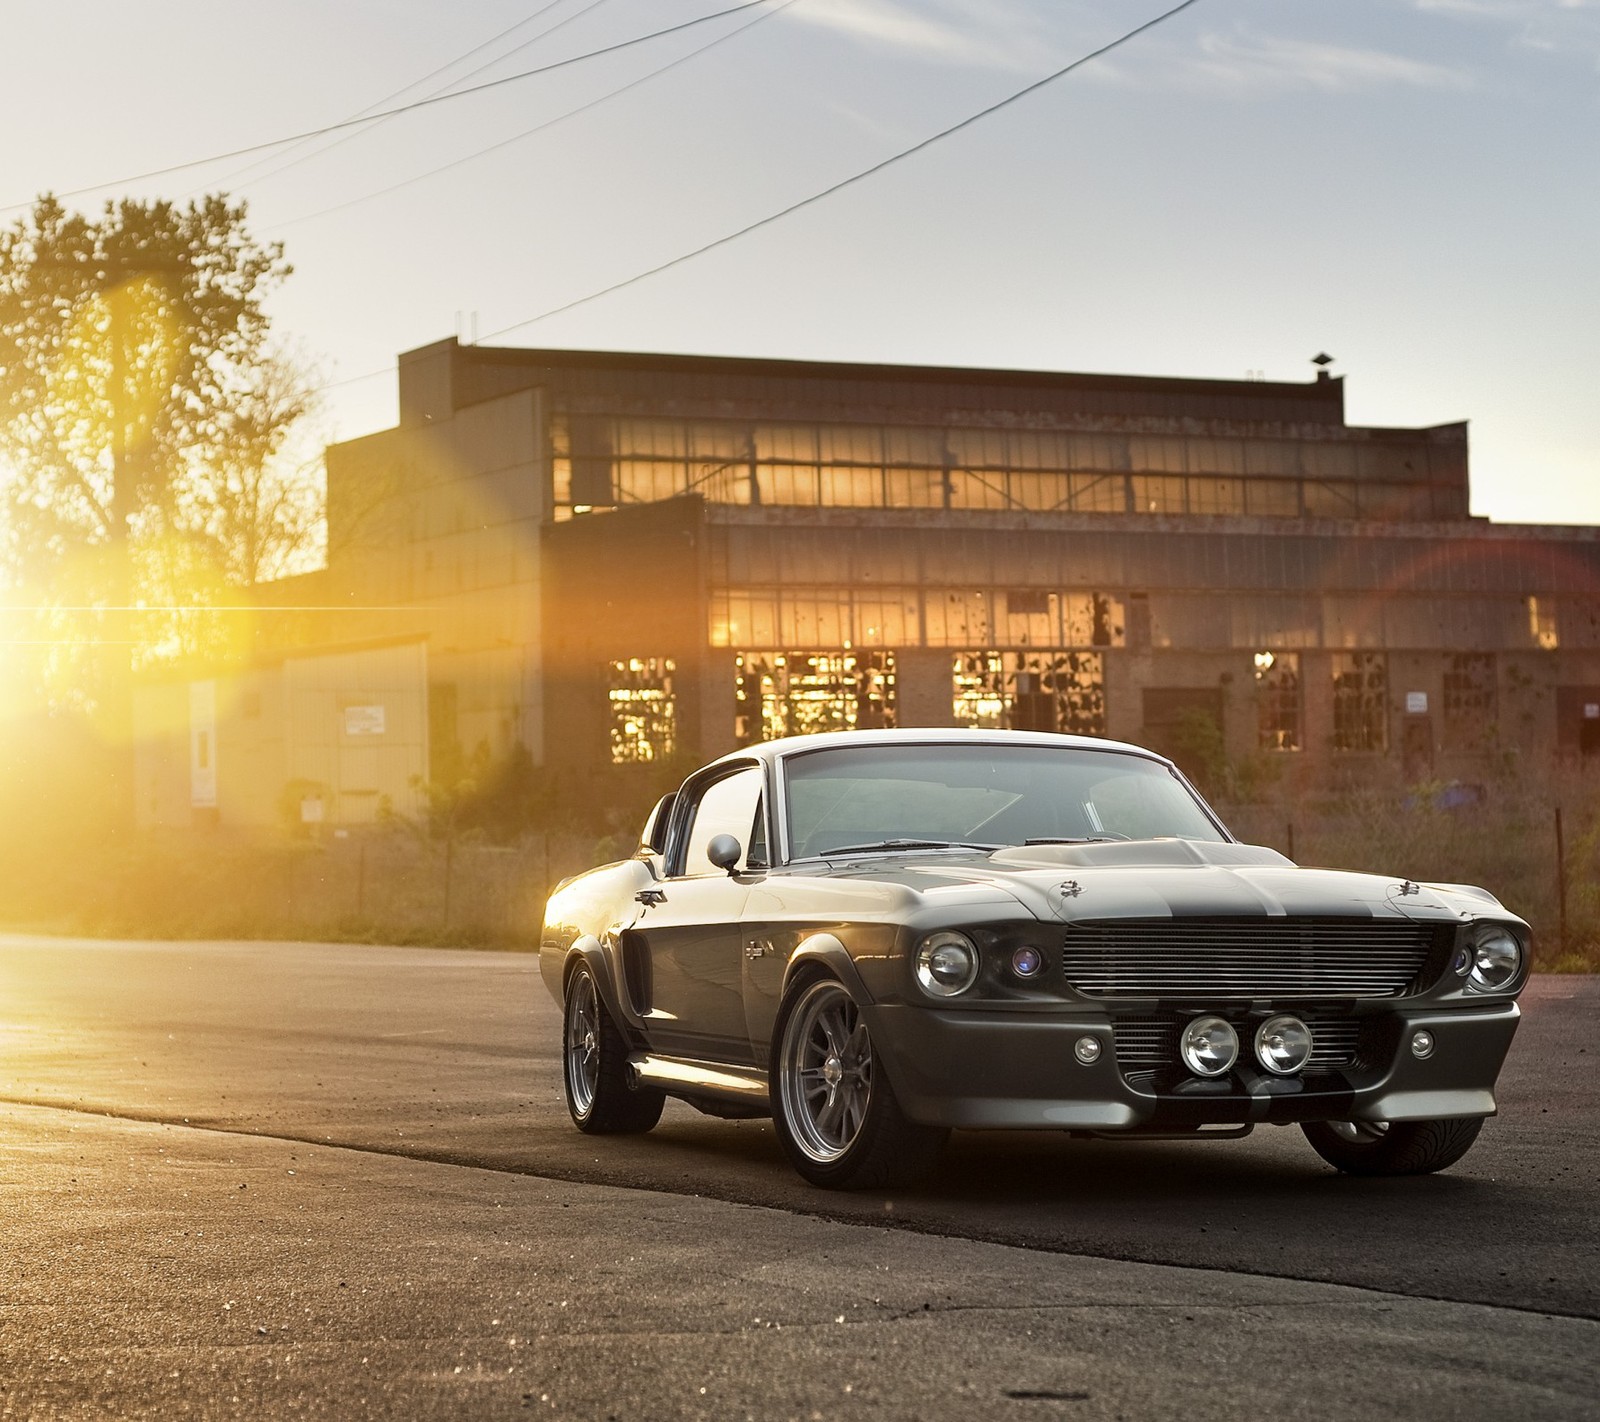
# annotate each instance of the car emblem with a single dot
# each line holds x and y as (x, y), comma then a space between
(1070, 890)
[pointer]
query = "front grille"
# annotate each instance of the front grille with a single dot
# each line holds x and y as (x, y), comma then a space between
(1148, 1045)
(1212, 958)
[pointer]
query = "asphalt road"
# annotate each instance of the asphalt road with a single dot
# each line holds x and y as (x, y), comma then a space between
(275, 1179)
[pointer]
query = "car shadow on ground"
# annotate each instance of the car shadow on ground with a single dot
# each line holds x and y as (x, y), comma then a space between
(1264, 1204)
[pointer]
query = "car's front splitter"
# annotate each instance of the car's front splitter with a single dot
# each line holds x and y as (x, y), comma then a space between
(978, 1070)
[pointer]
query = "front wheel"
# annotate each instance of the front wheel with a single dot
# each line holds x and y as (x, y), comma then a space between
(1392, 1148)
(834, 1109)
(594, 1059)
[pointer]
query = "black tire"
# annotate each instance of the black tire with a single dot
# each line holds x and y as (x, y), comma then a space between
(1400, 1148)
(601, 1096)
(838, 1119)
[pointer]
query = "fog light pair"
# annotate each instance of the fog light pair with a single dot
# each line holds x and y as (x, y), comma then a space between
(1209, 1046)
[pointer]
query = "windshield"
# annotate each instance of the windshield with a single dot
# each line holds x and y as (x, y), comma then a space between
(983, 794)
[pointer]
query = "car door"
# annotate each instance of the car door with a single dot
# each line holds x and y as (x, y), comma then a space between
(692, 933)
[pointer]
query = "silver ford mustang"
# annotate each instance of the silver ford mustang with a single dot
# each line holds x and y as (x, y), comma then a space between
(876, 936)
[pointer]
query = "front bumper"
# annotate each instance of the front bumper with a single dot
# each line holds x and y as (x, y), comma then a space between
(978, 1070)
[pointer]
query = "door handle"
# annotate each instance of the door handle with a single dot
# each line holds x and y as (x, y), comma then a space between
(650, 897)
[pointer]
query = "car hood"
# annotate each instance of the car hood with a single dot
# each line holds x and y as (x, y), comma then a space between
(1161, 878)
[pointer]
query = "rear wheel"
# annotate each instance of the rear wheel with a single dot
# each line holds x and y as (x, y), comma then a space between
(1392, 1148)
(834, 1109)
(594, 1058)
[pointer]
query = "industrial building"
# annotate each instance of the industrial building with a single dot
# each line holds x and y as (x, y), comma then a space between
(612, 560)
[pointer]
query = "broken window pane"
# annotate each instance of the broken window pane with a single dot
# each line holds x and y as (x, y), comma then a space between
(1360, 701)
(643, 711)
(1031, 617)
(1092, 620)
(801, 693)
(1031, 691)
(1278, 700)
(1469, 698)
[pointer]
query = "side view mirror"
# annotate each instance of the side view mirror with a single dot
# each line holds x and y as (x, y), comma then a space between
(724, 851)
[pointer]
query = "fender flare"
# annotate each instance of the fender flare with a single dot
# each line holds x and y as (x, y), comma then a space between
(592, 952)
(826, 951)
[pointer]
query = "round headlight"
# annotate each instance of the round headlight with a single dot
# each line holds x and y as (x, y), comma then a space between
(1283, 1045)
(1209, 1046)
(947, 963)
(1496, 958)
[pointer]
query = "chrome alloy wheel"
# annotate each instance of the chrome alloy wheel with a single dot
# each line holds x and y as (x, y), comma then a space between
(1360, 1132)
(826, 1072)
(582, 1052)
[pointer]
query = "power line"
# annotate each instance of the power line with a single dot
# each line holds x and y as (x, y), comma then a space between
(537, 128)
(815, 197)
(843, 183)
(377, 122)
(400, 109)
(394, 94)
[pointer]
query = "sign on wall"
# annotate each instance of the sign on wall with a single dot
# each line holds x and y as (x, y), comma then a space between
(1416, 703)
(364, 720)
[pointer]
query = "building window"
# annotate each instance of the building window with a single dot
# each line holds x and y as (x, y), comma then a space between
(801, 693)
(1360, 701)
(842, 618)
(1469, 698)
(1278, 700)
(1031, 691)
(644, 722)
(601, 460)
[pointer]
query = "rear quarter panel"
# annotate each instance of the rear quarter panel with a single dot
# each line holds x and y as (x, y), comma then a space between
(589, 911)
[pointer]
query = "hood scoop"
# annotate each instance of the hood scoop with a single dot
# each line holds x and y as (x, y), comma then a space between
(1140, 853)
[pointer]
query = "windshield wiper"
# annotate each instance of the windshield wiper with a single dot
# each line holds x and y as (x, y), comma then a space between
(900, 844)
(1080, 839)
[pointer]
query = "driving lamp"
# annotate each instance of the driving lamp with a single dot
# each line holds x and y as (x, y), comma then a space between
(947, 963)
(1209, 1046)
(1283, 1045)
(1027, 962)
(1496, 958)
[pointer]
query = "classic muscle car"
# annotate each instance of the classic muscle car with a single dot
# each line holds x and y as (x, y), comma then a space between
(877, 936)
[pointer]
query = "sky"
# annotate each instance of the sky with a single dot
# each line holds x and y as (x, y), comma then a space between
(1412, 186)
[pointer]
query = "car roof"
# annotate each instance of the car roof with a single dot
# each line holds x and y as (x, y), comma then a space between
(932, 736)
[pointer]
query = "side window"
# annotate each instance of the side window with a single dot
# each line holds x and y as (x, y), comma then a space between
(755, 852)
(727, 807)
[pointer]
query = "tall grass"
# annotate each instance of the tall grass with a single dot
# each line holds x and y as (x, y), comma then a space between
(397, 886)
(1506, 844)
